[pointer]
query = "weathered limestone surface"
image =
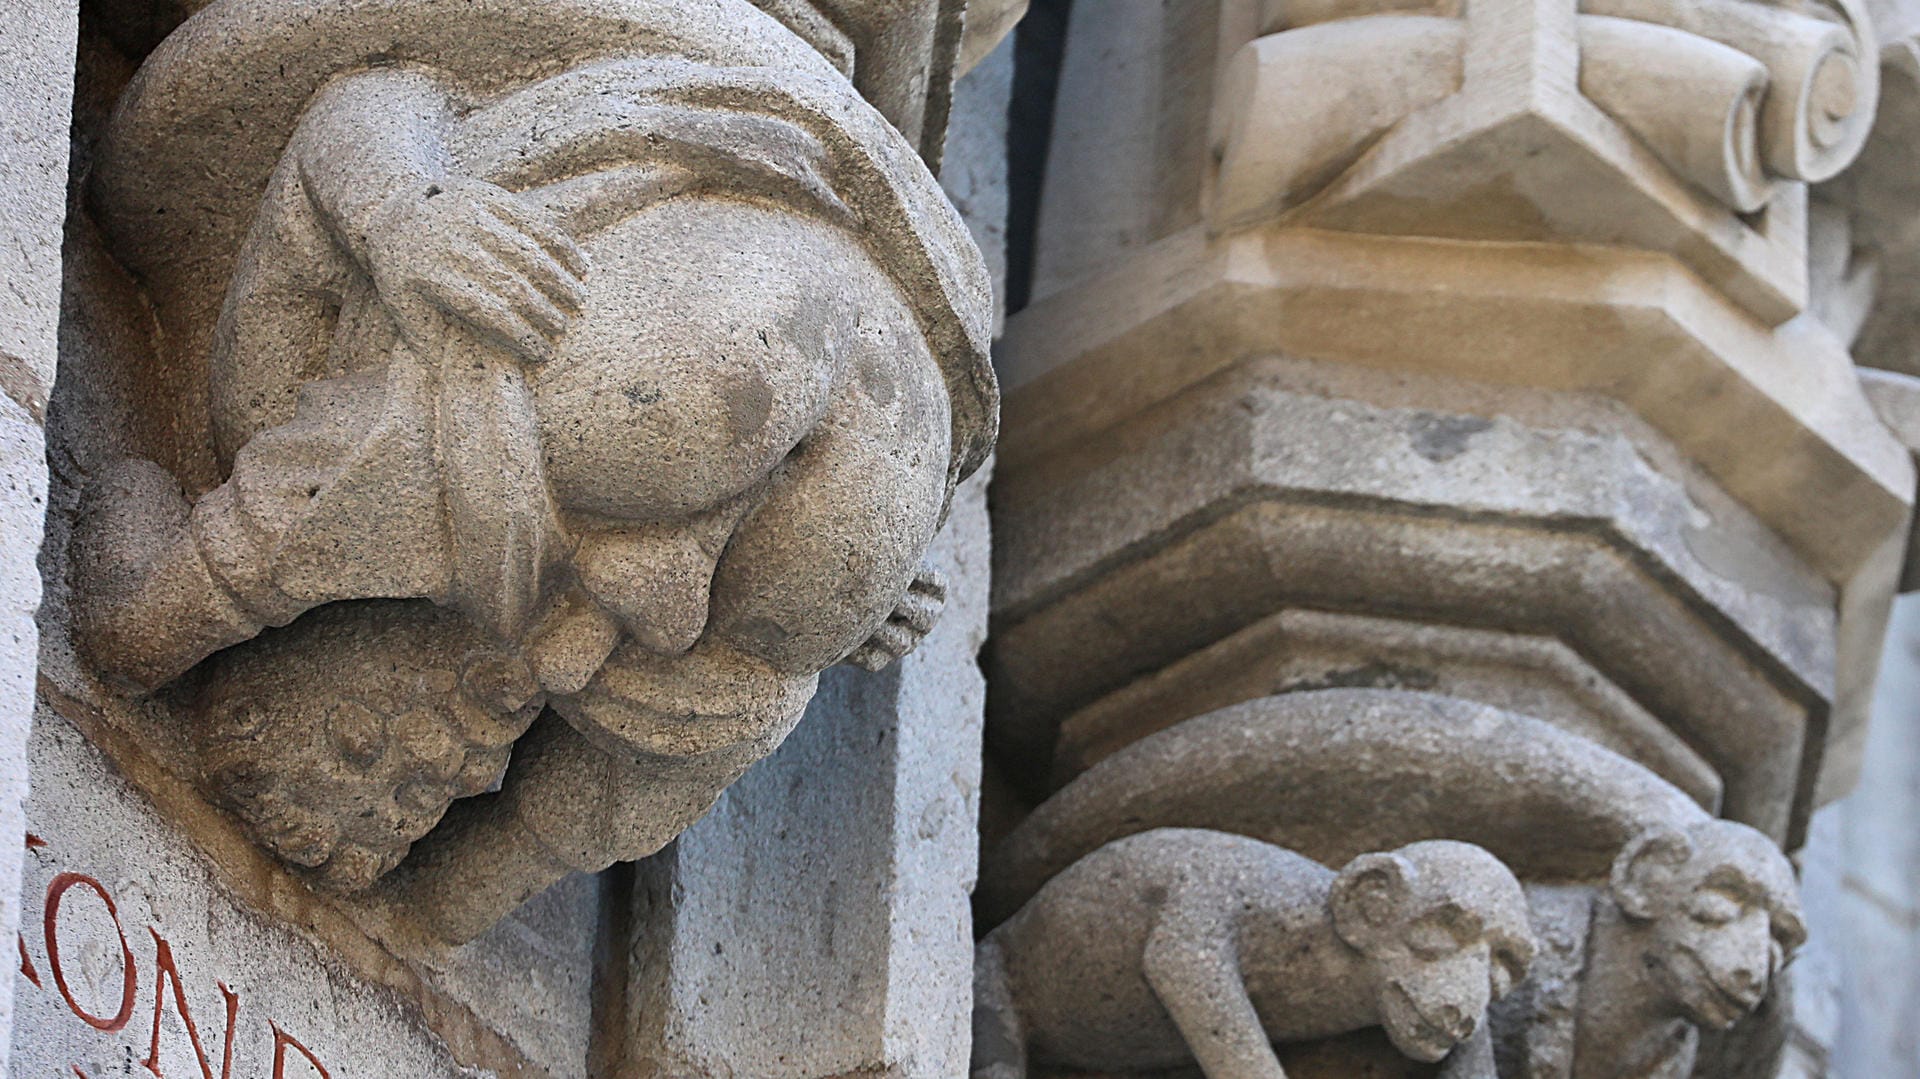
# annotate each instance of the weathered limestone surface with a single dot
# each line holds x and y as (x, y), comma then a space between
(826, 895)
(36, 79)
(1857, 1005)
(23, 507)
(1397, 367)
(764, 141)
(1182, 943)
(624, 364)
(159, 967)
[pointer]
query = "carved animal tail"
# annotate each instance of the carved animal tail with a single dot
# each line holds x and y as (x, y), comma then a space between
(999, 1038)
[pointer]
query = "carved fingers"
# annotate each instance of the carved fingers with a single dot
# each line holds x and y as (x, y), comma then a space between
(912, 619)
(477, 252)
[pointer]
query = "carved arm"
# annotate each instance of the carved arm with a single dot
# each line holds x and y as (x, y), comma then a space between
(365, 139)
(1190, 964)
(372, 157)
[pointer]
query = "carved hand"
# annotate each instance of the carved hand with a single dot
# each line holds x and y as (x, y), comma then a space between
(469, 249)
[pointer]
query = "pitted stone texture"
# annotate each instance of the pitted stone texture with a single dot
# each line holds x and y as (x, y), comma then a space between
(632, 337)
(104, 842)
(825, 898)
(37, 44)
(23, 511)
(36, 79)
(1181, 944)
(1300, 650)
(1532, 199)
(1278, 485)
(1290, 769)
(1678, 921)
(973, 172)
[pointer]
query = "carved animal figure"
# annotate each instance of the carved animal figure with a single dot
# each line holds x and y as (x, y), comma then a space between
(1693, 928)
(1185, 945)
(660, 373)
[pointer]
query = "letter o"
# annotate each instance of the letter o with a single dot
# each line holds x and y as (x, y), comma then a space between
(56, 891)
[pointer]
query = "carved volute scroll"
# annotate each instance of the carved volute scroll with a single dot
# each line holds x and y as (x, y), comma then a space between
(573, 381)
(1342, 113)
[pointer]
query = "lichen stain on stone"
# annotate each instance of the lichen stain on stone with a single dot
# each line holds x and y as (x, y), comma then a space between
(1371, 675)
(1442, 438)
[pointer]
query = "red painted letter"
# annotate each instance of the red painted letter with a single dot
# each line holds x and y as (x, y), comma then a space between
(26, 963)
(56, 891)
(281, 1039)
(164, 968)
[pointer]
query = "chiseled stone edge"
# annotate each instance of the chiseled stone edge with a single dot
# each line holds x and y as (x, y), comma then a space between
(38, 39)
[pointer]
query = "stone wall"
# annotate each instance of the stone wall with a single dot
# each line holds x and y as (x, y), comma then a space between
(36, 70)
(1861, 1010)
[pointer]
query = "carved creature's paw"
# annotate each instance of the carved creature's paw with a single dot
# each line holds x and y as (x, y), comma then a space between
(144, 607)
(912, 619)
(481, 254)
(342, 739)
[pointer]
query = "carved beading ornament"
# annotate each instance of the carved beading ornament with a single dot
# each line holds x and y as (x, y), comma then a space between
(609, 356)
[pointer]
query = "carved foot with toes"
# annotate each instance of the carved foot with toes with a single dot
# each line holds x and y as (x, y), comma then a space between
(146, 607)
(912, 619)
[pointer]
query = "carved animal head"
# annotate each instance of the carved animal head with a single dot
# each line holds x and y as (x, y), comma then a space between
(1444, 929)
(1719, 914)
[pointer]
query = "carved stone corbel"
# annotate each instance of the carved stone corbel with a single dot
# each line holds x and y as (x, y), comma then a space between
(1214, 948)
(609, 362)
(1658, 921)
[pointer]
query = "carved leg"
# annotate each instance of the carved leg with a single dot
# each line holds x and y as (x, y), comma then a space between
(1190, 963)
(999, 1039)
(566, 806)
(148, 606)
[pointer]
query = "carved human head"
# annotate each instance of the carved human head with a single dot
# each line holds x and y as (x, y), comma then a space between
(1719, 914)
(1444, 930)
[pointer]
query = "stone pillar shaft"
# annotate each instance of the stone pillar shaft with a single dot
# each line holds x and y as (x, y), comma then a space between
(37, 44)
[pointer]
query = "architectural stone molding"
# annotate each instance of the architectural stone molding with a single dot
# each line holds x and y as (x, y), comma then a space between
(1682, 919)
(616, 359)
(1459, 442)
(1675, 116)
(1509, 520)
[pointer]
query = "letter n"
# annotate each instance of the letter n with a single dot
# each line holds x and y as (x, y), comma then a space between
(165, 967)
(281, 1040)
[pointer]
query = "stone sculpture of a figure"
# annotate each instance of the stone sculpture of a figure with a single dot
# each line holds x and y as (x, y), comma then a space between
(1693, 929)
(1183, 945)
(617, 360)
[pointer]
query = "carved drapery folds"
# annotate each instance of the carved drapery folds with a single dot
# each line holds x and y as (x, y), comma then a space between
(1448, 446)
(572, 382)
